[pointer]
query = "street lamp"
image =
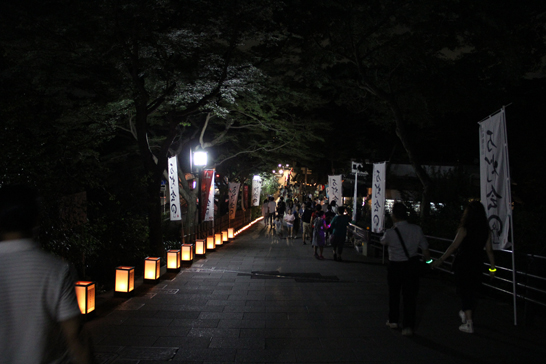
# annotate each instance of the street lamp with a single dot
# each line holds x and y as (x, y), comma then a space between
(200, 158)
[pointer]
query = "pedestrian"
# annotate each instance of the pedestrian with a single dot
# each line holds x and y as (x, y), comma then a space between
(289, 219)
(319, 230)
(339, 232)
(281, 207)
(297, 220)
(403, 241)
(306, 223)
(472, 237)
(265, 211)
(278, 227)
(272, 207)
(328, 216)
(39, 316)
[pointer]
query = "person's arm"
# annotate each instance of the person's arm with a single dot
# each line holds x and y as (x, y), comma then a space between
(78, 345)
(461, 233)
(491, 256)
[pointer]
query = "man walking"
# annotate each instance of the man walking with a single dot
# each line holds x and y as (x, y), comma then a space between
(306, 222)
(403, 241)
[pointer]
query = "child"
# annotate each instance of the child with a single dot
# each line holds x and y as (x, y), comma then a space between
(289, 220)
(278, 226)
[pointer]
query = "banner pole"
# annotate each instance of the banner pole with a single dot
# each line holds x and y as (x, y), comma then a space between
(354, 197)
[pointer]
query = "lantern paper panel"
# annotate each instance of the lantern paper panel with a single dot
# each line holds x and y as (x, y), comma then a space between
(218, 239)
(125, 279)
(173, 259)
(152, 268)
(85, 293)
(230, 233)
(187, 252)
(224, 236)
(210, 243)
(200, 247)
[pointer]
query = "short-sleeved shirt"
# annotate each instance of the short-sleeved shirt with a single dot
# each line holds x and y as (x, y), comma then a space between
(413, 238)
(36, 293)
(339, 225)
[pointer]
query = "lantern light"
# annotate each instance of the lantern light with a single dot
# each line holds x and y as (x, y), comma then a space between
(218, 239)
(173, 259)
(200, 247)
(210, 243)
(85, 293)
(224, 236)
(230, 233)
(187, 253)
(200, 158)
(152, 268)
(125, 279)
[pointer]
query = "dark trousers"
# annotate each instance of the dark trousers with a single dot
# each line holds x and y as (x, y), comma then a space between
(337, 244)
(403, 278)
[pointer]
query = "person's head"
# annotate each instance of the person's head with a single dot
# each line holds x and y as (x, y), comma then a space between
(474, 217)
(319, 213)
(282, 198)
(276, 218)
(333, 203)
(303, 206)
(19, 211)
(399, 211)
(266, 200)
(340, 210)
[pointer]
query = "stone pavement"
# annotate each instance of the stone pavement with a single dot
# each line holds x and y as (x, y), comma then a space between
(260, 299)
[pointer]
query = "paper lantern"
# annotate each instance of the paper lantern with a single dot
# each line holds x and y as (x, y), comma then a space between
(230, 233)
(173, 259)
(210, 243)
(152, 268)
(224, 236)
(200, 247)
(85, 293)
(218, 239)
(187, 252)
(125, 279)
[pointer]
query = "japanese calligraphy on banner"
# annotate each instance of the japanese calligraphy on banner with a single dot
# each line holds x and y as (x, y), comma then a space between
(495, 178)
(209, 200)
(208, 176)
(256, 190)
(378, 197)
(233, 195)
(174, 193)
(335, 189)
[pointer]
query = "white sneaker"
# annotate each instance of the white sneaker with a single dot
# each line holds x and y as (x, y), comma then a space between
(467, 327)
(392, 325)
(462, 316)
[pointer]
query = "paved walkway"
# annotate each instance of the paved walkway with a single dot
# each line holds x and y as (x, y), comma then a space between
(261, 299)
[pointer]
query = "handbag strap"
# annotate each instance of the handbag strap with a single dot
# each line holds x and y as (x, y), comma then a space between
(402, 241)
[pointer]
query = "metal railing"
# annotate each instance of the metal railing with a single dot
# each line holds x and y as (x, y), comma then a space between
(530, 269)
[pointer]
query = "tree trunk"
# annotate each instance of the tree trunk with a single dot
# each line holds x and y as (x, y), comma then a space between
(154, 218)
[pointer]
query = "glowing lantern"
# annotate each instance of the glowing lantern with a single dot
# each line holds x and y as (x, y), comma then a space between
(210, 243)
(173, 259)
(200, 247)
(224, 236)
(125, 279)
(85, 293)
(218, 239)
(187, 252)
(152, 268)
(230, 233)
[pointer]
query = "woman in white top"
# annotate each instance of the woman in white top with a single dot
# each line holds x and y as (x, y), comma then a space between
(289, 220)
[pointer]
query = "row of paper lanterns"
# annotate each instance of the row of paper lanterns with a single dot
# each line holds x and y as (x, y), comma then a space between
(125, 276)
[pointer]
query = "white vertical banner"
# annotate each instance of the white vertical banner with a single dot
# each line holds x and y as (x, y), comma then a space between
(335, 189)
(495, 178)
(174, 193)
(256, 190)
(233, 195)
(378, 197)
(209, 214)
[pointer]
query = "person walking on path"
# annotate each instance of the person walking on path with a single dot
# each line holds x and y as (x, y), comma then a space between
(339, 232)
(472, 237)
(297, 220)
(306, 223)
(265, 211)
(289, 219)
(39, 316)
(272, 207)
(319, 229)
(403, 241)
(281, 208)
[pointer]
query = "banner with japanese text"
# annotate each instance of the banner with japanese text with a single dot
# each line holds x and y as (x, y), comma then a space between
(233, 195)
(209, 213)
(335, 190)
(174, 193)
(495, 178)
(256, 190)
(378, 197)
(208, 177)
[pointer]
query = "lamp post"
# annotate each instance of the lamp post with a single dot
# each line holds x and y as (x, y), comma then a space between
(199, 159)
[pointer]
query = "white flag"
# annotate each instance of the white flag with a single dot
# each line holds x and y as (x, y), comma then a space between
(174, 195)
(335, 190)
(256, 190)
(233, 195)
(495, 178)
(209, 214)
(378, 197)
